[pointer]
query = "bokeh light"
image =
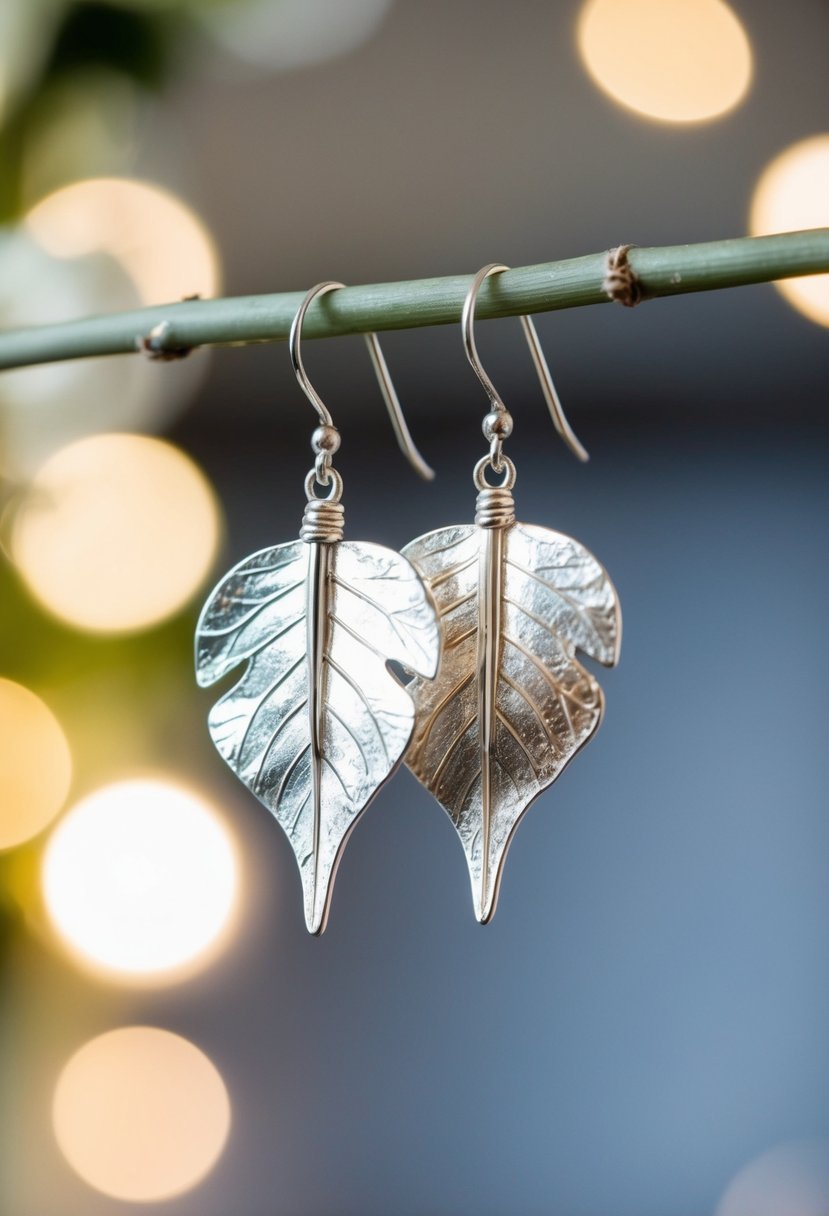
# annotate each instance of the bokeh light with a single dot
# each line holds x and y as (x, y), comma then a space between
(675, 60)
(292, 33)
(43, 408)
(140, 878)
(160, 241)
(35, 765)
(141, 1114)
(791, 1179)
(793, 193)
(116, 533)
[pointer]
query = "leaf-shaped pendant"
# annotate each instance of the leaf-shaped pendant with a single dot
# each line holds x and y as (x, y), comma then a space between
(511, 705)
(318, 721)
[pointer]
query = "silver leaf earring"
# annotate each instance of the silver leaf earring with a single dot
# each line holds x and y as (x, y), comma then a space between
(318, 721)
(510, 705)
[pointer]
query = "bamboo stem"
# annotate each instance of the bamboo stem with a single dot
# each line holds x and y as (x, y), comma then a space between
(665, 271)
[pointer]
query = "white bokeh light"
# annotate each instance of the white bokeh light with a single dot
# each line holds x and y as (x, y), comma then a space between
(161, 243)
(95, 246)
(35, 764)
(140, 878)
(43, 408)
(793, 193)
(141, 1114)
(791, 1179)
(116, 533)
(678, 61)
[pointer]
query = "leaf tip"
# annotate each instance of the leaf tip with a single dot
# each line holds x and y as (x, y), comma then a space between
(316, 920)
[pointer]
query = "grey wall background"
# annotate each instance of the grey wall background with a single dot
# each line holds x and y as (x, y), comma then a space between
(648, 1011)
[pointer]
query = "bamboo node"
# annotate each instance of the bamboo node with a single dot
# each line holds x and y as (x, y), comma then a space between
(153, 344)
(620, 281)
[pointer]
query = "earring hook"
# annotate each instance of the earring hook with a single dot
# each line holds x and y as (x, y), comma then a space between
(539, 362)
(381, 371)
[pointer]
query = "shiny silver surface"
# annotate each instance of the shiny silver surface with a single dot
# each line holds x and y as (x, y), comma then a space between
(511, 705)
(317, 721)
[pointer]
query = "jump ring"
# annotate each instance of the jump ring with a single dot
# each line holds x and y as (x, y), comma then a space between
(508, 468)
(336, 489)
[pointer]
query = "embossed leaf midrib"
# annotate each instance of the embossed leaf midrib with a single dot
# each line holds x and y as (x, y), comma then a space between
(540, 702)
(262, 725)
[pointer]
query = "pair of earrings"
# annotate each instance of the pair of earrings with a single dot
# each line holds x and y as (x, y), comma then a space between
(486, 616)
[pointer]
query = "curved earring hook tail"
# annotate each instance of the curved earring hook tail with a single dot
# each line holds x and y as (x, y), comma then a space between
(381, 371)
(548, 389)
(395, 410)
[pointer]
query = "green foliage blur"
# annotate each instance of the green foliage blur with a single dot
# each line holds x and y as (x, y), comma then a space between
(142, 43)
(121, 699)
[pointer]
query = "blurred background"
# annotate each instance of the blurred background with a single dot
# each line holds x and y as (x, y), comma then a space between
(643, 1027)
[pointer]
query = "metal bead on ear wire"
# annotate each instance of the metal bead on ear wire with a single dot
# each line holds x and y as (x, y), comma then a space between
(318, 721)
(511, 705)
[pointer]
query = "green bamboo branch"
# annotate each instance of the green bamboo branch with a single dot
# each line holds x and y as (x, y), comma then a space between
(665, 271)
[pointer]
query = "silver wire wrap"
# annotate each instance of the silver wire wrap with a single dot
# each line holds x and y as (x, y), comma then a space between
(495, 508)
(495, 505)
(322, 521)
(323, 518)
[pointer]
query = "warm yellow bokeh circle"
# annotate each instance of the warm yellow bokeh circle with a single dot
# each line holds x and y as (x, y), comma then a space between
(161, 242)
(140, 879)
(35, 765)
(141, 1114)
(674, 60)
(117, 532)
(793, 193)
